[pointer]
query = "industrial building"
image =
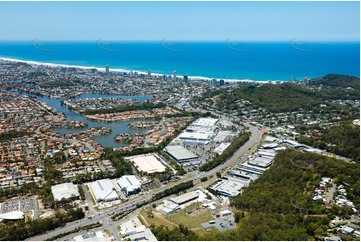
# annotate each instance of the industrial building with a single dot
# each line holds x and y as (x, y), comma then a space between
(129, 184)
(134, 230)
(196, 135)
(263, 161)
(147, 163)
(15, 215)
(244, 175)
(179, 153)
(90, 236)
(225, 213)
(64, 190)
(169, 209)
(229, 186)
(269, 145)
(201, 131)
(205, 122)
(184, 198)
(268, 152)
(104, 190)
(221, 148)
(251, 169)
(131, 226)
(145, 235)
(293, 143)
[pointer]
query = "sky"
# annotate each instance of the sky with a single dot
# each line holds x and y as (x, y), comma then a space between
(207, 21)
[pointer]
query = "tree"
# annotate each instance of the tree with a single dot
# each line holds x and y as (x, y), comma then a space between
(219, 175)
(238, 216)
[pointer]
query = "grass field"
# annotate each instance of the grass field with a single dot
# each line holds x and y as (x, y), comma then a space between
(204, 232)
(158, 219)
(28, 216)
(192, 221)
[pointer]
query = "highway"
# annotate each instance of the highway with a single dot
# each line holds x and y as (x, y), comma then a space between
(238, 157)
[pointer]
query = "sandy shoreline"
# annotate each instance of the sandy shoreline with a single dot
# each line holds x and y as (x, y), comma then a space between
(102, 69)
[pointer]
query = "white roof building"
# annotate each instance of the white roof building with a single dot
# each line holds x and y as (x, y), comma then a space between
(147, 163)
(104, 190)
(225, 212)
(346, 229)
(205, 122)
(90, 236)
(230, 187)
(134, 230)
(64, 190)
(132, 226)
(269, 152)
(200, 130)
(221, 148)
(129, 184)
(199, 135)
(16, 215)
(187, 197)
(146, 235)
(179, 153)
(263, 162)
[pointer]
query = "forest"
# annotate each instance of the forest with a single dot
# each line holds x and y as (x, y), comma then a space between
(278, 206)
(337, 81)
(341, 139)
(288, 97)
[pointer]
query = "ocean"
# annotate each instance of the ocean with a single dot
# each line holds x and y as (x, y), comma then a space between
(259, 61)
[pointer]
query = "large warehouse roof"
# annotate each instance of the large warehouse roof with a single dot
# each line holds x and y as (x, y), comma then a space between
(179, 153)
(64, 190)
(230, 187)
(104, 190)
(129, 183)
(261, 161)
(12, 215)
(221, 148)
(148, 163)
(206, 122)
(184, 198)
(196, 135)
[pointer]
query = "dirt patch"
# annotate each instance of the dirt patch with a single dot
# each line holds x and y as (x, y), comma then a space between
(197, 212)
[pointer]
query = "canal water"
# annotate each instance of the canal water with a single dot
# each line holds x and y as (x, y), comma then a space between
(116, 127)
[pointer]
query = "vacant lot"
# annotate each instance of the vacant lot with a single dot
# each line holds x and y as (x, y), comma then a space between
(190, 217)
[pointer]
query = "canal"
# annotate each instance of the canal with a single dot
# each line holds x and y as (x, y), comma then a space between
(116, 127)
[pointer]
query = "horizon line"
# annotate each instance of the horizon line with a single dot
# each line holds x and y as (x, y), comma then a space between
(184, 40)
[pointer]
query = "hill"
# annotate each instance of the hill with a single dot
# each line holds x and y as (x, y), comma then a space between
(336, 80)
(278, 98)
(342, 139)
(289, 96)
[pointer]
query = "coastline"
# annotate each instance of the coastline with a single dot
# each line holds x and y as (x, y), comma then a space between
(102, 69)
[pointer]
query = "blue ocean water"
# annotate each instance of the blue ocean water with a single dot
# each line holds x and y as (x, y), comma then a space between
(228, 60)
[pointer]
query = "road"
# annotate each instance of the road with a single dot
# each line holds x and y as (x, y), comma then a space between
(88, 199)
(331, 191)
(239, 156)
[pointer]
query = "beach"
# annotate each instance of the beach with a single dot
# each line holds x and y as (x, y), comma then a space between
(30, 62)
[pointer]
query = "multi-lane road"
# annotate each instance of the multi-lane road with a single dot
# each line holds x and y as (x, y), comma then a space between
(238, 157)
